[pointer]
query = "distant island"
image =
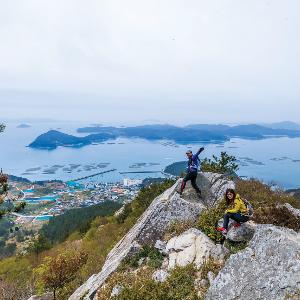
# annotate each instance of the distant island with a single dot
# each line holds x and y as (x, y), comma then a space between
(23, 126)
(182, 135)
(176, 168)
(53, 138)
(284, 125)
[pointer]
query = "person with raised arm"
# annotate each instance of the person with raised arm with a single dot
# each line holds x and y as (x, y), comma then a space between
(192, 171)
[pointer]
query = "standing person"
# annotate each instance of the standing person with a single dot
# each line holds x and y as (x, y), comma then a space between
(237, 210)
(192, 171)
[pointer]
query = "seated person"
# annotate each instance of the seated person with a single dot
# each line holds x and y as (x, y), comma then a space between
(237, 210)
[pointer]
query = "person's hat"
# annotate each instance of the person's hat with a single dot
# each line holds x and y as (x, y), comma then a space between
(189, 151)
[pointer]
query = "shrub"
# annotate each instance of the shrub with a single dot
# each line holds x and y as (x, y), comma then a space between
(57, 271)
(38, 245)
(3, 186)
(126, 210)
(277, 215)
(8, 250)
(208, 220)
(153, 256)
(225, 164)
(19, 207)
(260, 194)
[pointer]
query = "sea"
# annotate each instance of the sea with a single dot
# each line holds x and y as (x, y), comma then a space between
(272, 160)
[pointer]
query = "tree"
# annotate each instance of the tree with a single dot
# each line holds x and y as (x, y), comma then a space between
(124, 213)
(3, 186)
(39, 245)
(226, 164)
(20, 206)
(58, 271)
(3, 178)
(4, 191)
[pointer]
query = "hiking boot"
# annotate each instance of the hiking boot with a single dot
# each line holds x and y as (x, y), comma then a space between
(222, 230)
(179, 192)
(236, 224)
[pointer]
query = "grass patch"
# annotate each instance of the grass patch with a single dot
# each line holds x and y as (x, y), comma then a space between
(260, 194)
(140, 285)
(235, 247)
(210, 266)
(277, 215)
(178, 227)
(151, 256)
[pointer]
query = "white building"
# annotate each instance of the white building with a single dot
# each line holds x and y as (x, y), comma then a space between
(131, 182)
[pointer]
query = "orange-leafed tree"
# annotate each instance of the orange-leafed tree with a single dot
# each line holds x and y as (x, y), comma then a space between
(55, 272)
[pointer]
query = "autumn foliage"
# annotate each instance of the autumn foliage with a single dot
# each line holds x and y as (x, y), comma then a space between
(55, 272)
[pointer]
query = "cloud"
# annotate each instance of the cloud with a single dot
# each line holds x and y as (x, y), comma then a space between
(137, 56)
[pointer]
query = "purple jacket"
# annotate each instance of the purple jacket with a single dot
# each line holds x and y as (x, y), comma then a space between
(194, 162)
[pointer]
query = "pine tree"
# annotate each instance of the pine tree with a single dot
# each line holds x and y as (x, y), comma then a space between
(2, 127)
(4, 189)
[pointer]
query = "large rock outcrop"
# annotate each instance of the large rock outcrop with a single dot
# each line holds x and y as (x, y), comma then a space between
(165, 209)
(269, 268)
(193, 246)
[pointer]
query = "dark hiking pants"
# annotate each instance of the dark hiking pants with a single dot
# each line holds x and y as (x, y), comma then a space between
(236, 217)
(192, 176)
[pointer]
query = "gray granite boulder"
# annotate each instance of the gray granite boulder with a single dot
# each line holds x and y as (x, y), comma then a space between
(160, 276)
(269, 268)
(116, 291)
(244, 233)
(46, 296)
(292, 210)
(160, 246)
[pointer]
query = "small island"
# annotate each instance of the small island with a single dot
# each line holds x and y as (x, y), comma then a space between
(23, 126)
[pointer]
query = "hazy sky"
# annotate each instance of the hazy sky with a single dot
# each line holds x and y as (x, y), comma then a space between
(128, 61)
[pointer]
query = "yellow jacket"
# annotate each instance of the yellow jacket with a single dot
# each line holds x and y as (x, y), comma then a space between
(238, 206)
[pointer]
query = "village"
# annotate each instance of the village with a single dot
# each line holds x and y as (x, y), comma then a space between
(51, 198)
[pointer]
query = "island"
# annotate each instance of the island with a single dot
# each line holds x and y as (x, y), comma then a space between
(53, 138)
(23, 126)
(181, 135)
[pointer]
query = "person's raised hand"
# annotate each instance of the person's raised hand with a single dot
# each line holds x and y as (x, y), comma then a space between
(201, 149)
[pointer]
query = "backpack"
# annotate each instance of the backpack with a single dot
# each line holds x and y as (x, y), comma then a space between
(249, 207)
